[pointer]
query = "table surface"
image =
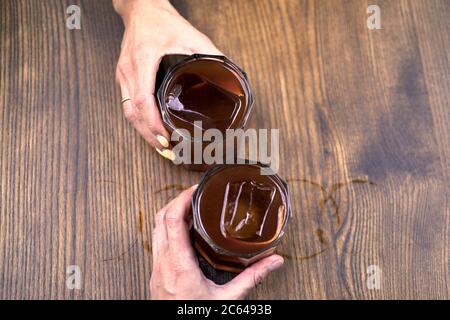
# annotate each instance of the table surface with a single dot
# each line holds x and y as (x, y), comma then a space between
(364, 120)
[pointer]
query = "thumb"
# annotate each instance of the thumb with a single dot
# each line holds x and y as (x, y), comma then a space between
(241, 285)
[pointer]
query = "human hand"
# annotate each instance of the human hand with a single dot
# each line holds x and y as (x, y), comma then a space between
(153, 28)
(176, 273)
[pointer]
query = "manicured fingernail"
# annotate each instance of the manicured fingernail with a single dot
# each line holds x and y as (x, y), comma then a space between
(162, 140)
(166, 153)
(276, 264)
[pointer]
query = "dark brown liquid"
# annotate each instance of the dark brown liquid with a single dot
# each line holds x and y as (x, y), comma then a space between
(207, 91)
(241, 210)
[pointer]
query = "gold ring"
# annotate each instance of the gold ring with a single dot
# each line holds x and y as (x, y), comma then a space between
(125, 99)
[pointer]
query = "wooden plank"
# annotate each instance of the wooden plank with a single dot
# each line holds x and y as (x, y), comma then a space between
(365, 146)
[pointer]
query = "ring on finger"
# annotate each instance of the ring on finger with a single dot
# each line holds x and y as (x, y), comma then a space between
(125, 99)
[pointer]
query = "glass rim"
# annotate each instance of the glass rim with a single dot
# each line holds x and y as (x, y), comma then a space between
(198, 226)
(240, 75)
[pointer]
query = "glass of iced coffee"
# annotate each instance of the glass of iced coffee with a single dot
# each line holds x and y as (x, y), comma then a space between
(239, 215)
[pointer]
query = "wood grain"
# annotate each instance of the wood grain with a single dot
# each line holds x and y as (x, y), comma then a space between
(365, 146)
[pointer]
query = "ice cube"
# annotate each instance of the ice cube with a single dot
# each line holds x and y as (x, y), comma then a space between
(245, 209)
(194, 98)
(173, 100)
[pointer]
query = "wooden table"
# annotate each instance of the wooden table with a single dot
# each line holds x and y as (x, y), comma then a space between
(364, 119)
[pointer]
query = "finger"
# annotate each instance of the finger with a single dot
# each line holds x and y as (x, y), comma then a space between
(241, 285)
(177, 229)
(127, 106)
(134, 112)
(147, 120)
(146, 68)
(141, 111)
(132, 108)
(142, 114)
(146, 65)
(159, 237)
(124, 74)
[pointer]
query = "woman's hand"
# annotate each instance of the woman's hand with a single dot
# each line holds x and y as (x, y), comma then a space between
(176, 273)
(153, 28)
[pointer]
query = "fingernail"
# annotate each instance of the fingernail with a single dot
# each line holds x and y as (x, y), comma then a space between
(276, 264)
(166, 153)
(162, 140)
